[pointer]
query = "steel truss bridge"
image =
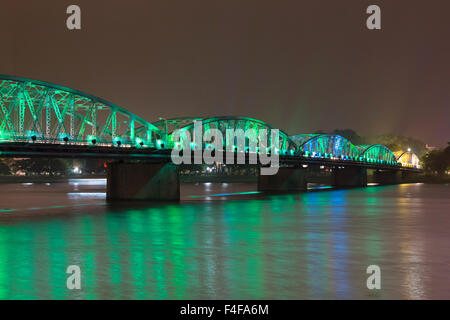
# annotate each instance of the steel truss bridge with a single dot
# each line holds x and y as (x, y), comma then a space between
(40, 119)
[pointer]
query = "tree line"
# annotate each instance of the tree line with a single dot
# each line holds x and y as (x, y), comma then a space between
(437, 161)
(50, 167)
(434, 161)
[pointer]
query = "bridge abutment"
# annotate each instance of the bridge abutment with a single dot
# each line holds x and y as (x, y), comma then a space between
(286, 179)
(349, 177)
(143, 181)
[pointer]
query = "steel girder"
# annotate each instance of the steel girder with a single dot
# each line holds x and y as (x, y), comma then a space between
(332, 145)
(408, 159)
(377, 152)
(223, 123)
(41, 112)
(325, 144)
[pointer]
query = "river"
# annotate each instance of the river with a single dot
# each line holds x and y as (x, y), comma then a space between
(225, 241)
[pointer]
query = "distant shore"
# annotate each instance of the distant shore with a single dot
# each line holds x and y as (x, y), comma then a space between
(183, 178)
(45, 179)
(433, 179)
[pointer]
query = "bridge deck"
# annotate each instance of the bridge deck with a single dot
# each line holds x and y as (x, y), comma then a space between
(32, 150)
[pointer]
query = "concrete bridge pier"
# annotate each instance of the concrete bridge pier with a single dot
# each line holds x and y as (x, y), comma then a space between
(286, 179)
(348, 177)
(384, 177)
(143, 181)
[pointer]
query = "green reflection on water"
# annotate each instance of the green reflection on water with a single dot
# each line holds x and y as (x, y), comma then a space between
(310, 245)
(3, 265)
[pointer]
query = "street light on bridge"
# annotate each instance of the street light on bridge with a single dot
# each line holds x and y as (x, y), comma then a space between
(165, 129)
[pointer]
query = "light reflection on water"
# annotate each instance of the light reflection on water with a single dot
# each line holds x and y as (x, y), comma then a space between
(86, 195)
(255, 246)
(88, 182)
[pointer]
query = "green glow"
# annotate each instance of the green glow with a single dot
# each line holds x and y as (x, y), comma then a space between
(224, 123)
(91, 139)
(5, 135)
(32, 104)
(286, 247)
(335, 146)
(117, 141)
(377, 152)
(159, 143)
(139, 143)
(4, 265)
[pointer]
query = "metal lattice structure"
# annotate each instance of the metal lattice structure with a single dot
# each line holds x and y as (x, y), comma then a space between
(40, 112)
(377, 152)
(286, 145)
(43, 113)
(336, 146)
(328, 145)
(408, 159)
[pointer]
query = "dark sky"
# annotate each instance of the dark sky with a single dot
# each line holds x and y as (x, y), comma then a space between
(299, 65)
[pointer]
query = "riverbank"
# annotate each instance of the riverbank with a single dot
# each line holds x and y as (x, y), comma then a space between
(183, 178)
(432, 179)
(45, 179)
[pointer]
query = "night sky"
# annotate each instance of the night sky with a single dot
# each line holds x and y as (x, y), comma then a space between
(299, 65)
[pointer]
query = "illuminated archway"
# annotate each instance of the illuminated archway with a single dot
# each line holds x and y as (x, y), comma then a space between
(408, 159)
(41, 112)
(327, 145)
(287, 146)
(376, 152)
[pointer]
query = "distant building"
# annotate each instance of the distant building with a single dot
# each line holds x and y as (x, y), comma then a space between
(430, 148)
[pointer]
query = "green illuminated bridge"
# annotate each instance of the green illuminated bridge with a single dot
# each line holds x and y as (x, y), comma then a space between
(40, 119)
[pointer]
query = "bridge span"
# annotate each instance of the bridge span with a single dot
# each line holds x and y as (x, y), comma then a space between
(40, 119)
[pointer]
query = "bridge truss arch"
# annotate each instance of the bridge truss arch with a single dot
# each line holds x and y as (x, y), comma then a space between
(408, 159)
(377, 152)
(224, 123)
(41, 112)
(325, 145)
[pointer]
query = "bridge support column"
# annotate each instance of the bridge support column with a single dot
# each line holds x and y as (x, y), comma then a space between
(286, 179)
(387, 176)
(143, 181)
(349, 177)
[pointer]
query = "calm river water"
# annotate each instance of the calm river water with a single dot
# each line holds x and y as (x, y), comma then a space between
(311, 245)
